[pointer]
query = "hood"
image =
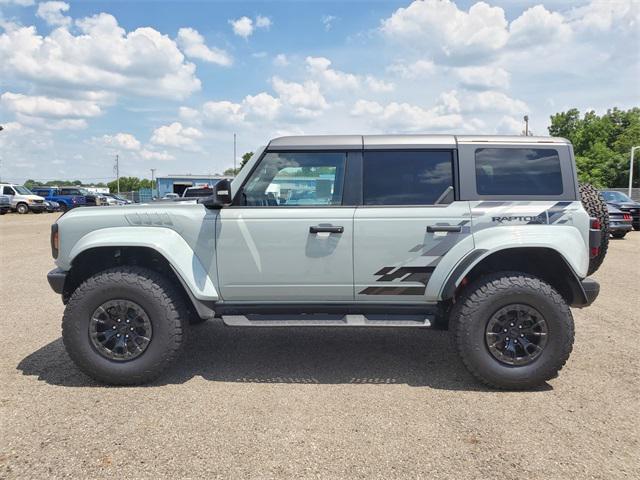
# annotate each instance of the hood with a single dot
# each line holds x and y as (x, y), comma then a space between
(33, 197)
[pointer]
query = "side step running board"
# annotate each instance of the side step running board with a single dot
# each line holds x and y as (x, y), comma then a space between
(328, 320)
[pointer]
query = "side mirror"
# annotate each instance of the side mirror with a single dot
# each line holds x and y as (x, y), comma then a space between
(221, 195)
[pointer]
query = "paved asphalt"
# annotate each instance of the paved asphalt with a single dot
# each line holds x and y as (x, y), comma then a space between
(312, 403)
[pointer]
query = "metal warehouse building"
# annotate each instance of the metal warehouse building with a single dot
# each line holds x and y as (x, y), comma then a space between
(178, 183)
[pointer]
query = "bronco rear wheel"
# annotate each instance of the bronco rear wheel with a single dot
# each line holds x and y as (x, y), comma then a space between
(596, 207)
(512, 330)
(124, 326)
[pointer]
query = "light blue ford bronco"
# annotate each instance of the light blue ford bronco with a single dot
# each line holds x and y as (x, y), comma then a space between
(483, 235)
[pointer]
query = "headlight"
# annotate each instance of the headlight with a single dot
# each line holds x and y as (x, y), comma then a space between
(29, 200)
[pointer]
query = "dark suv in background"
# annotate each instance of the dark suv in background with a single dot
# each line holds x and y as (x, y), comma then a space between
(625, 204)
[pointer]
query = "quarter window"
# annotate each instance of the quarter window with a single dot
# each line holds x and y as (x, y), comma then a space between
(8, 191)
(518, 171)
(296, 179)
(407, 177)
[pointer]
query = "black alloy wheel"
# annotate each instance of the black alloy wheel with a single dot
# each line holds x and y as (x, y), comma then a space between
(516, 334)
(120, 330)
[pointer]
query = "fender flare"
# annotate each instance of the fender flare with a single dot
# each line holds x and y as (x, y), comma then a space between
(166, 242)
(474, 258)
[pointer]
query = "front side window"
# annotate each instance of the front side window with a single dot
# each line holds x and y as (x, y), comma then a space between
(518, 171)
(70, 191)
(296, 179)
(397, 177)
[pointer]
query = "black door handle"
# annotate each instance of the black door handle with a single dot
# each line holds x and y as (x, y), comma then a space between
(444, 228)
(327, 229)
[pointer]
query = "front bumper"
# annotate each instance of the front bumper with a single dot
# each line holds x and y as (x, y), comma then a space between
(37, 207)
(56, 278)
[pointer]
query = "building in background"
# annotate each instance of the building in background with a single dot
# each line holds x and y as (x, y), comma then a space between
(178, 183)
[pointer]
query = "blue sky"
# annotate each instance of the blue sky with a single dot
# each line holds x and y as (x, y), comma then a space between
(165, 84)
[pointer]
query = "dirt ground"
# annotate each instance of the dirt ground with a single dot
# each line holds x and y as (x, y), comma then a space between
(312, 403)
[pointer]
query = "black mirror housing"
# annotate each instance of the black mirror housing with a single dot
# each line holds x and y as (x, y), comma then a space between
(221, 195)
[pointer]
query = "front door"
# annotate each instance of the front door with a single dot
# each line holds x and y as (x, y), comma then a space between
(288, 237)
(408, 223)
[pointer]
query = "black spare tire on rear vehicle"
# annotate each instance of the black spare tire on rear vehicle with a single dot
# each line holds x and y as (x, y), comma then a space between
(596, 207)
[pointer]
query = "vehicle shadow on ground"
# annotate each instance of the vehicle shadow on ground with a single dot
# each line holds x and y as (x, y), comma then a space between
(214, 352)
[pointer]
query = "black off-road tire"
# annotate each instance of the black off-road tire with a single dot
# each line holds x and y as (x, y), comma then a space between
(596, 207)
(162, 303)
(618, 234)
(484, 297)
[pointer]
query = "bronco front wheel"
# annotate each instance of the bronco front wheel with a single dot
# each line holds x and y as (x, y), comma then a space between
(124, 326)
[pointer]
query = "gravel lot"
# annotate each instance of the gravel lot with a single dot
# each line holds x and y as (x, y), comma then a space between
(315, 403)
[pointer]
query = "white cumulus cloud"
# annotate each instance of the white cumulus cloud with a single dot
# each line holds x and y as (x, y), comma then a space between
(52, 13)
(176, 135)
(191, 42)
(446, 30)
(101, 57)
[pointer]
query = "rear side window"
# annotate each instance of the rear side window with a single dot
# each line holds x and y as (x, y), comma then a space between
(397, 177)
(518, 171)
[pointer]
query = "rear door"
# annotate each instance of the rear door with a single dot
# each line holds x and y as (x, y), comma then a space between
(289, 235)
(409, 222)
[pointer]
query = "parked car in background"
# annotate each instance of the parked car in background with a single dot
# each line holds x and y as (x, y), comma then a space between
(92, 199)
(197, 192)
(113, 199)
(64, 201)
(52, 206)
(5, 204)
(170, 196)
(22, 199)
(619, 222)
(622, 202)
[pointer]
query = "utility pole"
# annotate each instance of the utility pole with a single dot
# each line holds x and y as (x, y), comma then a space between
(234, 155)
(633, 151)
(526, 125)
(118, 172)
(153, 177)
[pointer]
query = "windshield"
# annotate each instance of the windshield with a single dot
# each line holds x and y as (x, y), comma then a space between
(616, 197)
(22, 190)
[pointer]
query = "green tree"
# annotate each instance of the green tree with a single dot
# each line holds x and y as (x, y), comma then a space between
(602, 144)
(130, 184)
(245, 158)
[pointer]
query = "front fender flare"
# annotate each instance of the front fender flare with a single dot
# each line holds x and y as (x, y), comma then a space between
(166, 242)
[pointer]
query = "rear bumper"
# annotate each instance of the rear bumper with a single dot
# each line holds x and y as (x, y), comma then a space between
(56, 278)
(620, 227)
(590, 289)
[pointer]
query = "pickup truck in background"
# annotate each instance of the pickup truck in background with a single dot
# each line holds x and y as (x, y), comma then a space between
(66, 200)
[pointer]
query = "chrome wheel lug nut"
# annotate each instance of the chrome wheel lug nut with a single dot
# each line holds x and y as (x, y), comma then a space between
(114, 327)
(505, 330)
(507, 338)
(512, 324)
(117, 335)
(131, 328)
(522, 334)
